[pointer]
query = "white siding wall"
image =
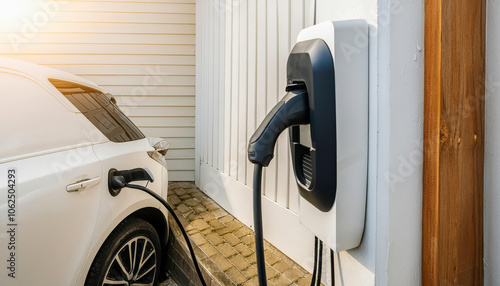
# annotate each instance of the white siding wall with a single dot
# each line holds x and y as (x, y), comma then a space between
(242, 51)
(142, 52)
(241, 76)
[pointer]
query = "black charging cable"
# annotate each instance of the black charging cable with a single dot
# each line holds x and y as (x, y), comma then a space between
(315, 267)
(332, 266)
(184, 234)
(320, 263)
(259, 236)
(257, 221)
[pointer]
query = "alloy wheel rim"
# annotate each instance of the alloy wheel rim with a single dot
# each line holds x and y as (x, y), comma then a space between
(134, 264)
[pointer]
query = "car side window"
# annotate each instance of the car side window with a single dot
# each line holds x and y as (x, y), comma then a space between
(101, 111)
(32, 120)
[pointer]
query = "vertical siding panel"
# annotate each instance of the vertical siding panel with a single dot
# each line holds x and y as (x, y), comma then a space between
(261, 69)
(282, 150)
(216, 80)
(243, 94)
(272, 92)
(200, 52)
(198, 121)
(200, 72)
(210, 72)
(261, 61)
(308, 12)
(252, 78)
(235, 48)
(205, 92)
(296, 21)
(222, 112)
(227, 40)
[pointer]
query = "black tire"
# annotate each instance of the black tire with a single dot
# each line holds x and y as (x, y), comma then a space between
(125, 245)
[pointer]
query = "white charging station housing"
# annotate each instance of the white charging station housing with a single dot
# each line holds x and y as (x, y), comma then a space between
(341, 228)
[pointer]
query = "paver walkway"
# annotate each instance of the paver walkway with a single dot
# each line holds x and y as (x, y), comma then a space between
(224, 245)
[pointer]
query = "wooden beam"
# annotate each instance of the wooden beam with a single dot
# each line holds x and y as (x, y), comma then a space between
(452, 230)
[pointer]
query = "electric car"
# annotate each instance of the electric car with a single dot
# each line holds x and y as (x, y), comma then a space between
(60, 224)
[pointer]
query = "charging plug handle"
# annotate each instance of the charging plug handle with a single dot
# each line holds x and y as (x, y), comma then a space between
(117, 180)
(292, 110)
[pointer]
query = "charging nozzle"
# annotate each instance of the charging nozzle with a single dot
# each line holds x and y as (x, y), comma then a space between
(292, 110)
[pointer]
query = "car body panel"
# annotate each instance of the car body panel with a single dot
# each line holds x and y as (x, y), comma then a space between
(58, 233)
(46, 145)
(112, 210)
(54, 228)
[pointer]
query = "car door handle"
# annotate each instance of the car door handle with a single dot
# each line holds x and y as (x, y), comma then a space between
(82, 184)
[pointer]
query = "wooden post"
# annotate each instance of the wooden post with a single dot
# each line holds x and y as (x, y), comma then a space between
(452, 246)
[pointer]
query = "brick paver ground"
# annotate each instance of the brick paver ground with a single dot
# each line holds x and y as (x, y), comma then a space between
(226, 244)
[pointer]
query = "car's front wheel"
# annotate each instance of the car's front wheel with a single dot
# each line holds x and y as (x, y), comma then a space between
(130, 256)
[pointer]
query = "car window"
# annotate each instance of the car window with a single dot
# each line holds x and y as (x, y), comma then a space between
(32, 120)
(101, 110)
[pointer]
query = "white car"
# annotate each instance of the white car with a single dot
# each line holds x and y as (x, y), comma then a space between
(59, 222)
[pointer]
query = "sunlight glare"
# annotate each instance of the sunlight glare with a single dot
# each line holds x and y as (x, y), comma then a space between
(14, 13)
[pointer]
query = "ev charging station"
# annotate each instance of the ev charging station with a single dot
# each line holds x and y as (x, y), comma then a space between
(326, 109)
(341, 226)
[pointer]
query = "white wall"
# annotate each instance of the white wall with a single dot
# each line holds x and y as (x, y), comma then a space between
(492, 147)
(241, 77)
(391, 245)
(250, 46)
(400, 142)
(143, 53)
